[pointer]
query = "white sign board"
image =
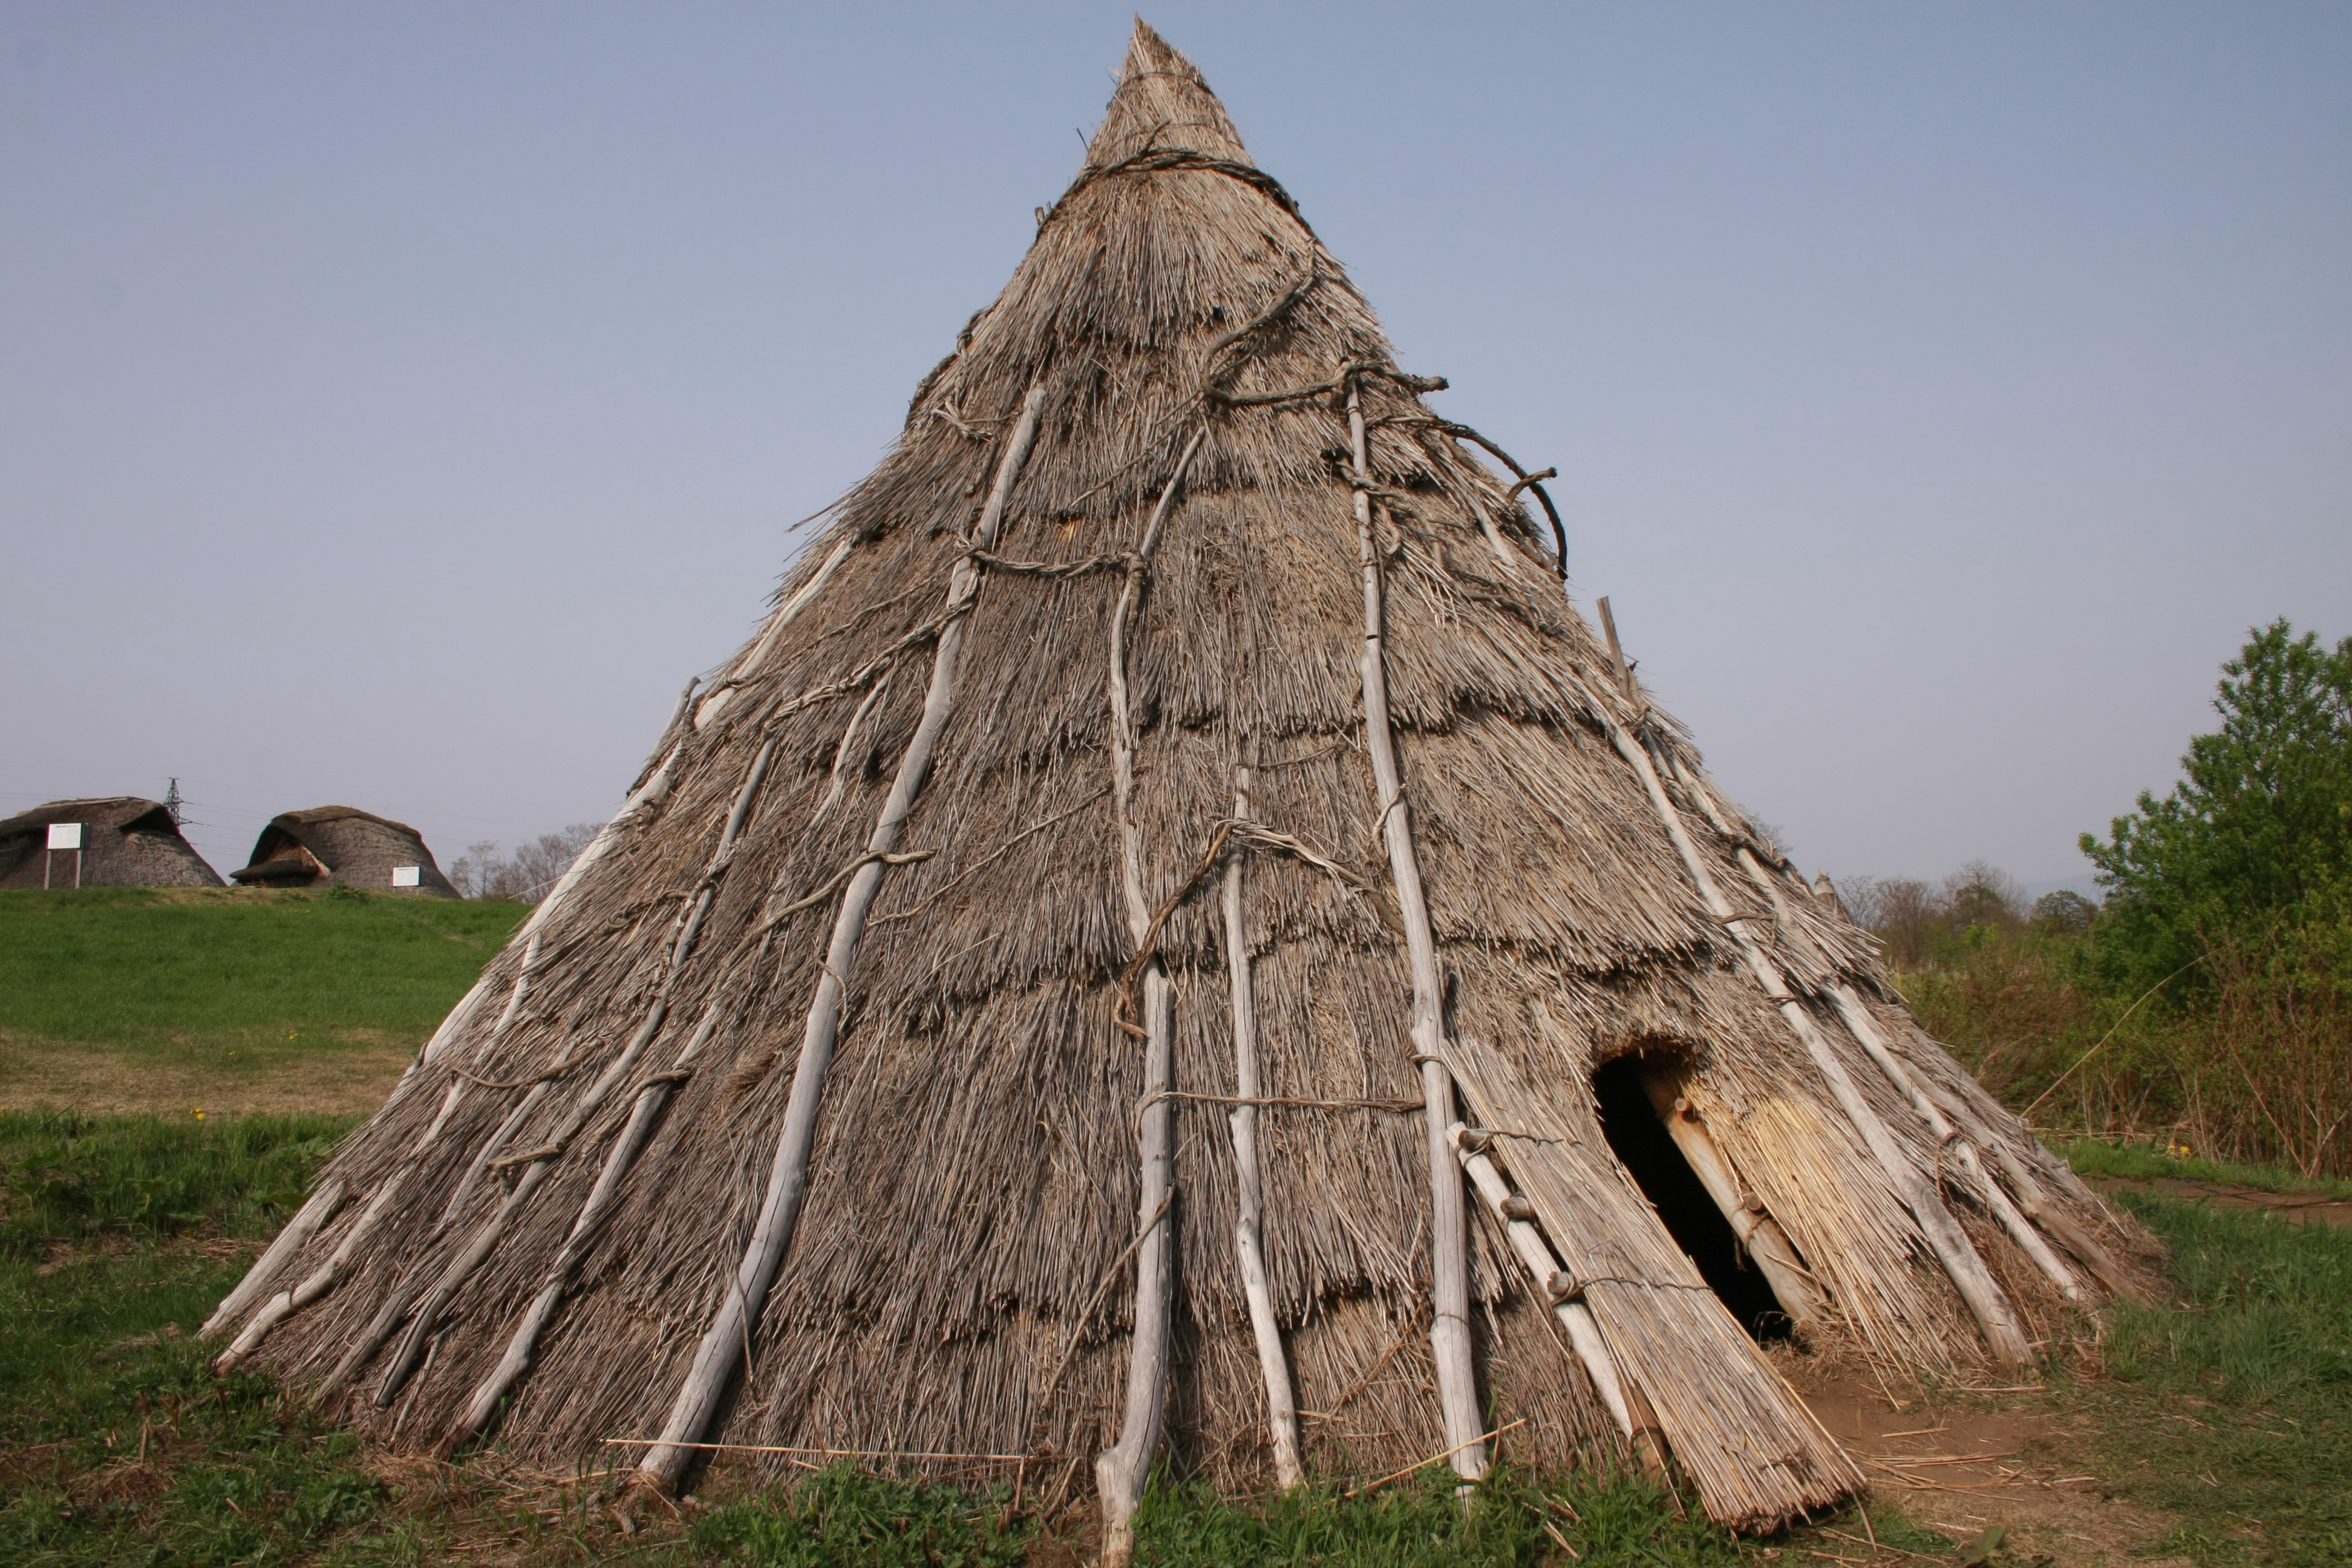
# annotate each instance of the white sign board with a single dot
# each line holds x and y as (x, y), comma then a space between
(408, 876)
(65, 835)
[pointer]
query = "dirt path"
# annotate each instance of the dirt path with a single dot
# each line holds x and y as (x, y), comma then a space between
(348, 1078)
(2295, 1208)
(2007, 1459)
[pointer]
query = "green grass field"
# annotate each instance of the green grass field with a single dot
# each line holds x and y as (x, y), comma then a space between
(2225, 1411)
(225, 1000)
(2221, 1417)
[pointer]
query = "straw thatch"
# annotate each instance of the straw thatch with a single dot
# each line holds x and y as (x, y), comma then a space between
(339, 846)
(127, 841)
(1021, 1016)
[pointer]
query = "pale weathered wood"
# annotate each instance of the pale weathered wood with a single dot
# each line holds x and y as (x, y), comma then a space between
(324, 1278)
(1984, 1298)
(730, 1329)
(711, 707)
(1282, 1409)
(1776, 1257)
(1553, 1286)
(1122, 1470)
(1449, 1327)
(266, 1269)
(652, 1100)
(541, 1162)
(1858, 1023)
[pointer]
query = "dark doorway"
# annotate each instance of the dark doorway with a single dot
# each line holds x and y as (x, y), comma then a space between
(1646, 1150)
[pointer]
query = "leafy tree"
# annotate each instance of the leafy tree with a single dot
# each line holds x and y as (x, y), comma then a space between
(2259, 830)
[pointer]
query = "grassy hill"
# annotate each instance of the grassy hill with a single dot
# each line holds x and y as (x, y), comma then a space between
(178, 1000)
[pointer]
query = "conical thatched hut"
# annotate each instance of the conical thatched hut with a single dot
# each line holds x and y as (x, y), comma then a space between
(341, 845)
(1161, 940)
(126, 842)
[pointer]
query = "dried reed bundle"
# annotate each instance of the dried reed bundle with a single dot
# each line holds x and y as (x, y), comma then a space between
(1056, 1088)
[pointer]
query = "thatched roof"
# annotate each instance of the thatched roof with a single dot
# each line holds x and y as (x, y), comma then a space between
(339, 845)
(127, 841)
(1022, 1014)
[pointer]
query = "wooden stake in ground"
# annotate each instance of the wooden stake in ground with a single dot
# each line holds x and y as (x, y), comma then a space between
(1282, 1410)
(729, 1331)
(1967, 1271)
(1122, 1470)
(1626, 1407)
(1449, 1327)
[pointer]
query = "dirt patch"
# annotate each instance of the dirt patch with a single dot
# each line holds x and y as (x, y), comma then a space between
(1961, 1464)
(2295, 1208)
(351, 1077)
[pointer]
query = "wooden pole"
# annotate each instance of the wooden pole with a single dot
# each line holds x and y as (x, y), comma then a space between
(1449, 1328)
(1122, 1470)
(1801, 1295)
(1282, 1409)
(540, 1162)
(1943, 1235)
(290, 1241)
(1625, 1405)
(731, 1326)
(652, 1100)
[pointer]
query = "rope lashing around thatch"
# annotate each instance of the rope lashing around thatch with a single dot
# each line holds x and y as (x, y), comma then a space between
(1393, 1107)
(1449, 1252)
(1054, 571)
(1147, 950)
(833, 884)
(1152, 160)
(997, 854)
(1340, 380)
(730, 1325)
(550, 1076)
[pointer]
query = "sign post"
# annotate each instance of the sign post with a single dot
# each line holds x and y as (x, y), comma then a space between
(63, 835)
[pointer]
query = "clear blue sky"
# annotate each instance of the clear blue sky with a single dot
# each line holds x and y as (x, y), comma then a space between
(398, 403)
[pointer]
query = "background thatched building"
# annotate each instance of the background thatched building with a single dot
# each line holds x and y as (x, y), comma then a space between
(1175, 933)
(332, 845)
(127, 841)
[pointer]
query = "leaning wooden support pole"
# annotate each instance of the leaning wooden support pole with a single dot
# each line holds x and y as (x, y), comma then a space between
(1122, 1470)
(731, 1326)
(1636, 1421)
(1943, 1237)
(1249, 1247)
(524, 1343)
(1864, 1030)
(255, 1285)
(540, 1162)
(2035, 1200)
(1449, 1327)
(1866, 1034)
(1776, 1257)
(325, 1277)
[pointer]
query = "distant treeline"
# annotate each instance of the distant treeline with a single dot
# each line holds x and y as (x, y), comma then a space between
(2206, 1000)
(525, 876)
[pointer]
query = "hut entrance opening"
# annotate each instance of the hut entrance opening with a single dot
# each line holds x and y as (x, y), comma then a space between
(1631, 1090)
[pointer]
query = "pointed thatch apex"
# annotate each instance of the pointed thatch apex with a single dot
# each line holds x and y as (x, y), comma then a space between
(1162, 105)
(1176, 939)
